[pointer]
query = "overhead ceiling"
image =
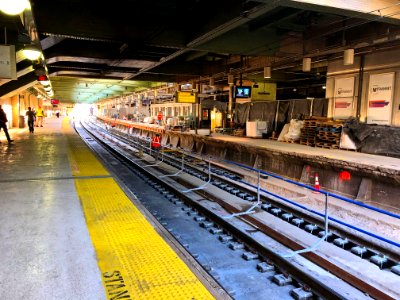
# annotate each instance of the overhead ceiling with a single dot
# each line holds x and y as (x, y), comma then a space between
(95, 50)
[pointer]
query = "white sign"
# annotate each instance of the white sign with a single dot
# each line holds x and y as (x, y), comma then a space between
(8, 66)
(380, 98)
(343, 98)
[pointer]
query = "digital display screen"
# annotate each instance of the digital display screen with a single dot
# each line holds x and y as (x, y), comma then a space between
(242, 91)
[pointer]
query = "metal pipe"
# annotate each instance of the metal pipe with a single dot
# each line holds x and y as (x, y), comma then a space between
(360, 82)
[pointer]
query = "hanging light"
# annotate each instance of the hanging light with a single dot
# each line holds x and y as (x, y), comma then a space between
(31, 52)
(267, 72)
(306, 64)
(348, 57)
(212, 81)
(13, 7)
(230, 79)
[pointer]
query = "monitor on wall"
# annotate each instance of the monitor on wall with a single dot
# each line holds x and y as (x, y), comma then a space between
(242, 91)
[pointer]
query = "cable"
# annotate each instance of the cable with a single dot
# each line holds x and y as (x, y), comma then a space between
(249, 210)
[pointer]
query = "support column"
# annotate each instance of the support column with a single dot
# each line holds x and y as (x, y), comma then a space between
(230, 105)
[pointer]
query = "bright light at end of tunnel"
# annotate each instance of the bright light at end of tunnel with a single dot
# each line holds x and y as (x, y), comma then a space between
(81, 111)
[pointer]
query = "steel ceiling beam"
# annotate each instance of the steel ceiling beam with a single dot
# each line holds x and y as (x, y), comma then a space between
(212, 34)
(383, 10)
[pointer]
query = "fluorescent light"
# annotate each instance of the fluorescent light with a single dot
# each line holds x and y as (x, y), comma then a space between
(31, 52)
(13, 7)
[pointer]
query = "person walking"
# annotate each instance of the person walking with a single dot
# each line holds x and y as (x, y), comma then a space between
(3, 124)
(40, 115)
(31, 119)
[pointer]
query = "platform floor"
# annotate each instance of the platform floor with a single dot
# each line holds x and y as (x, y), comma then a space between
(385, 162)
(68, 231)
(391, 164)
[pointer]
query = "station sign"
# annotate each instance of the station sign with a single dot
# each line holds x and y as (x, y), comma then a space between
(186, 97)
(264, 91)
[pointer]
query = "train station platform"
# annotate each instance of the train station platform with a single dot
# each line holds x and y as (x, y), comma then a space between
(68, 230)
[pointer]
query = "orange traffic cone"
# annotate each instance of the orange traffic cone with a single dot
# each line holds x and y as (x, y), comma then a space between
(316, 184)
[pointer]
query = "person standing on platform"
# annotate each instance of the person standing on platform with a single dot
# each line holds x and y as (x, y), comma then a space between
(31, 119)
(156, 144)
(40, 115)
(159, 118)
(3, 124)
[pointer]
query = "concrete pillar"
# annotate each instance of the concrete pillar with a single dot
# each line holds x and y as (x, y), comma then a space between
(230, 103)
(15, 111)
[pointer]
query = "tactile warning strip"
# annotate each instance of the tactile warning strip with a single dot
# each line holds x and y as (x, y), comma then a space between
(135, 262)
(81, 159)
(132, 256)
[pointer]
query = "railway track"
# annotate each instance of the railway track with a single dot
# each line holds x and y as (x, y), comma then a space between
(177, 176)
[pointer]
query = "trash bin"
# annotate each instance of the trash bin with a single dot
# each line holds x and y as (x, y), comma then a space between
(21, 121)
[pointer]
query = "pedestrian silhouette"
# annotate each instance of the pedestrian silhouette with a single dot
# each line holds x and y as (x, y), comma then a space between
(31, 119)
(3, 124)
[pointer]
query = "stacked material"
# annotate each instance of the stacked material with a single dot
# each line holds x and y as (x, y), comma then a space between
(309, 132)
(328, 134)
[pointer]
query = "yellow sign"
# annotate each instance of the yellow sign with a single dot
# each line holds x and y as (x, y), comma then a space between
(187, 97)
(264, 91)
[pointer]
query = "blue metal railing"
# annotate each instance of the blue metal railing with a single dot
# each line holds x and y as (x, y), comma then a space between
(325, 193)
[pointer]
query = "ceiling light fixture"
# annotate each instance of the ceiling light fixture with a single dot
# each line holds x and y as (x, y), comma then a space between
(13, 7)
(348, 57)
(306, 64)
(267, 72)
(31, 52)
(212, 81)
(230, 79)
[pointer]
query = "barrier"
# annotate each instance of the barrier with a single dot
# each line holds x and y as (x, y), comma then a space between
(327, 194)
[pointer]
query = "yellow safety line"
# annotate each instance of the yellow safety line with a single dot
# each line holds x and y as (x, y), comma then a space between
(135, 262)
(82, 161)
